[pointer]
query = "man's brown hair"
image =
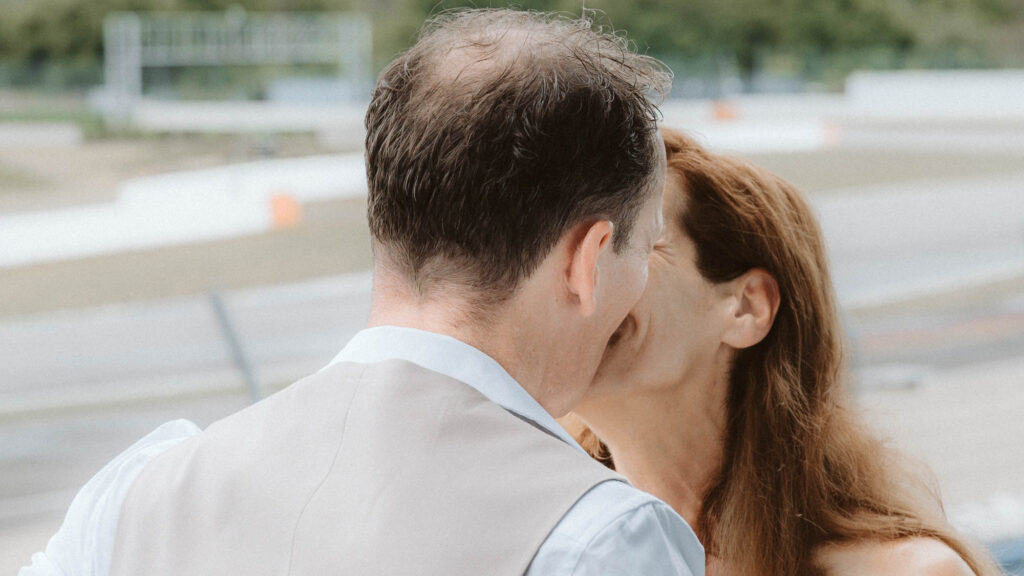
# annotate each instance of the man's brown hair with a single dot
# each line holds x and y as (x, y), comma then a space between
(497, 132)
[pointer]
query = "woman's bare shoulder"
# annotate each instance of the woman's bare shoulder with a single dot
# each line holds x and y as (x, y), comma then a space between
(921, 556)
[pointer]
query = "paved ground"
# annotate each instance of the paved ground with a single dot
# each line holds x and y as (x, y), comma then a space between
(942, 375)
(79, 386)
(332, 238)
(848, 167)
(964, 424)
(40, 178)
(174, 347)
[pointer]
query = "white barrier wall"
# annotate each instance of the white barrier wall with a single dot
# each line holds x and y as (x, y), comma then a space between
(974, 93)
(178, 208)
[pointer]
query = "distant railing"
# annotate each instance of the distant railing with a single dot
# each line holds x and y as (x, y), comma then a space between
(134, 42)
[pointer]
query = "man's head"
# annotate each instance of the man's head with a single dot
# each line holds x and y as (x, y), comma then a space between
(496, 134)
(515, 174)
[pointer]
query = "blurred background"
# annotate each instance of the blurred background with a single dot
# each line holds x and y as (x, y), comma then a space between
(182, 200)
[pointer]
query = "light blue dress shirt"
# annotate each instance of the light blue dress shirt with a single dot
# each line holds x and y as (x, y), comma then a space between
(614, 529)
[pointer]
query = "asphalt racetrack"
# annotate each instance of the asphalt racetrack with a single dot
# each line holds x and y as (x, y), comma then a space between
(927, 250)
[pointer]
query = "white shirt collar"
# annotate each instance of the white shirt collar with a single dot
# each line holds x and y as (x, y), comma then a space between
(455, 359)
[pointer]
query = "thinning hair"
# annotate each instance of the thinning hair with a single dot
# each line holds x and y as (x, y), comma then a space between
(498, 132)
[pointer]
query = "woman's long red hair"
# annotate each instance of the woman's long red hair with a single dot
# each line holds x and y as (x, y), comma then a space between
(799, 468)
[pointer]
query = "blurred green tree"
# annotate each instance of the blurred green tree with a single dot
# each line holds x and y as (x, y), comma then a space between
(920, 32)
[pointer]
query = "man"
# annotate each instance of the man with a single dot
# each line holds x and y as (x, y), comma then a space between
(515, 178)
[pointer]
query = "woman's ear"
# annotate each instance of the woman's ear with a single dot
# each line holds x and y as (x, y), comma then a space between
(755, 297)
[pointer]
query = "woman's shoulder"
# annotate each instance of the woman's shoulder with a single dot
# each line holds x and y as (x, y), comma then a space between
(919, 555)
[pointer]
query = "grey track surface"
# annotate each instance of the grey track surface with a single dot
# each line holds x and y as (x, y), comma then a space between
(945, 380)
(80, 386)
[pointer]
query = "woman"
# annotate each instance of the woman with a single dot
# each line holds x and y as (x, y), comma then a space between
(723, 394)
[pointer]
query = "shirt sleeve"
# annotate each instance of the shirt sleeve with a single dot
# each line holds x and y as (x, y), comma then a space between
(615, 530)
(83, 544)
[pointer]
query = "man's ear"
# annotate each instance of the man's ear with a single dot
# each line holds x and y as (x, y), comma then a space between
(583, 272)
(755, 301)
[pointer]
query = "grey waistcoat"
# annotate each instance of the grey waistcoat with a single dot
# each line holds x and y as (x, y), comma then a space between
(360, 469)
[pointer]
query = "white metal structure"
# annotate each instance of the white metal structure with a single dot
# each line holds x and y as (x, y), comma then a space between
(134, 41)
